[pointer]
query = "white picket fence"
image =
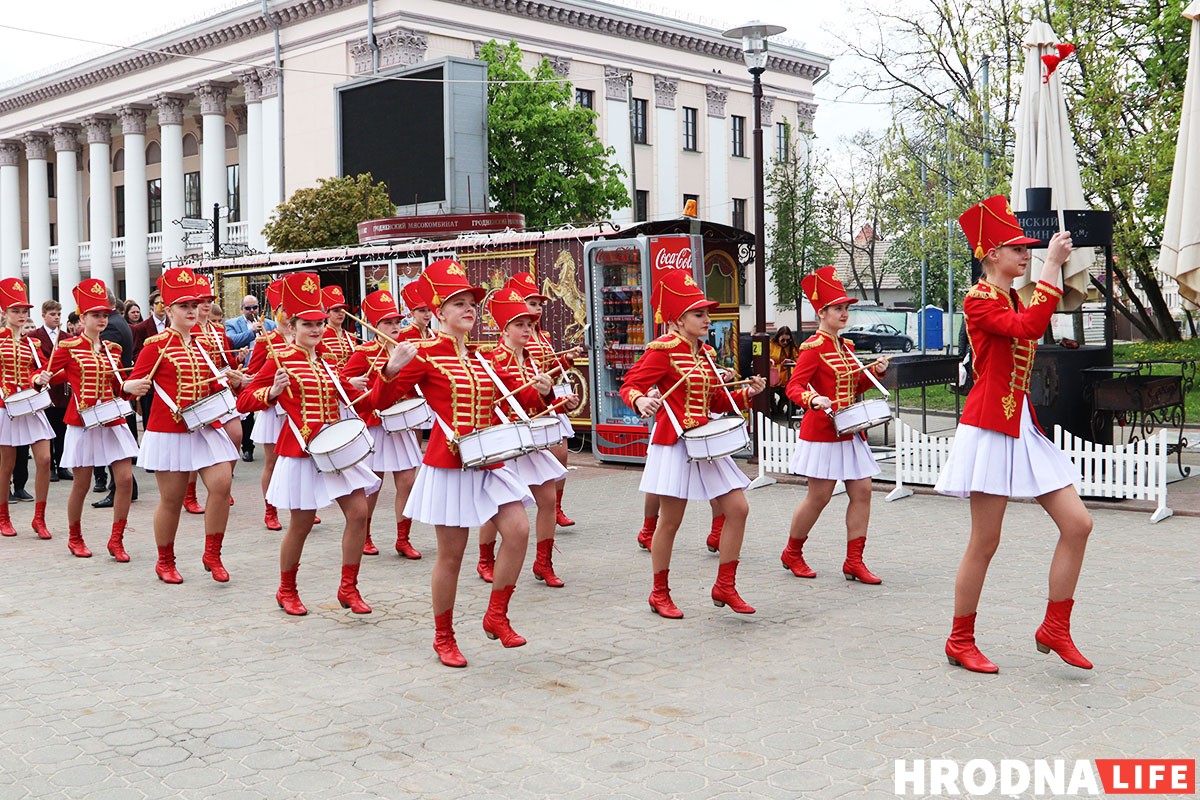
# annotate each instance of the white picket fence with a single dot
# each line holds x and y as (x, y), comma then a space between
(919, 458)
(776, 445)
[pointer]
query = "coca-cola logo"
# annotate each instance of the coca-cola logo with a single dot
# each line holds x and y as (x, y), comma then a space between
(678, 259)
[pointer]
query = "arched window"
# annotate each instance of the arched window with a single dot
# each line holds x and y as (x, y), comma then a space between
(230, 137)
(190, 146)
(720, 277)
(153, 153)
(119, 160)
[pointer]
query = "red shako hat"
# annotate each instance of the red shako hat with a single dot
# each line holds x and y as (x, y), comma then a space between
(524, 283)
(447, 278)
(301, 293)
(676, 294)
(380, 305)
(91, 295)
(205, 288)
(13, 294)
(180, 285)
(822, 288)
(416, 295)
(991, 223)
(333, 297)
(507, 305)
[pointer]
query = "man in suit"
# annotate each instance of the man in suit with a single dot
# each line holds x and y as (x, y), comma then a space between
(47, 337)
(242, 332)
(118, 331)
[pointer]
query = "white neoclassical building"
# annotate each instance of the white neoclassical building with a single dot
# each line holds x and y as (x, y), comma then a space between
(98, 160)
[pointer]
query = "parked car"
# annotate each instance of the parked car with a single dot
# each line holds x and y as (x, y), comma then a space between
(877, 338)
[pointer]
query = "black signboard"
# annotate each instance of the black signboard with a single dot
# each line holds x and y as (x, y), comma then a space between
(1088, 228)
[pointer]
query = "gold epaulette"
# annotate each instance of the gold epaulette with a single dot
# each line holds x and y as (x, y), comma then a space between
(158, 337)
(811, 342)
(983, 292)
(425, 344)
(708, 348)
(486, 348)
(848, 344)
(74, 341)
(113, 347)
(668, 342)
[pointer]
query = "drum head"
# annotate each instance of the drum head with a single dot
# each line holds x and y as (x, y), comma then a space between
(336, 435)
(24, 394)
(715, 427)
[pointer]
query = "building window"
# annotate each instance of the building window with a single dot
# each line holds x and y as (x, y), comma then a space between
(639, 121)
(641, 205)
(781, 141)
(694, 197)
(119, 209)
(739, 213)
(690, 135)
(233, 193)
(585, 98)
(153, 153)
(191, 147)
(154, 204)
(119, 160)
(51, 191)
(191, 195)
(738, 136)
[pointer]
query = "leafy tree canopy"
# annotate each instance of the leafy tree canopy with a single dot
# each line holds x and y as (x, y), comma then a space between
(327, 215)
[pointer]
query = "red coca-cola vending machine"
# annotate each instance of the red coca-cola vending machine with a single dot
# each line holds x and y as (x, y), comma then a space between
(621, 275)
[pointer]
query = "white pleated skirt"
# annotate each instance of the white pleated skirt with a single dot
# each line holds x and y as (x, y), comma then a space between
(668, 472)
(834, 461)
(537, 467)
(991, 462)
(25, 429)
(463, 498)
(394, 452)
(185, 452)
(97, 447)
(267, 425)
(568, 431)
(297, 484)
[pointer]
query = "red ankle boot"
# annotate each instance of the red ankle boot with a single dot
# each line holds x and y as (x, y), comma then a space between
(443, 640)
(75, 542)
(660, 597)
(487, 561)
(39, 521)
(271, 519)
(348, 594)
(645, 536)
(6, 526)
(714, 535)
(165, 567)
(1055, 634)
(961, 650)
(854, 569)
(286, 596)
(793, 558)
(116, 542)
(724, 591)
(561, 519)
(191, 503)
(543, 564)
(495, 621)
(369, 548)
(403, 547)
(212, 557)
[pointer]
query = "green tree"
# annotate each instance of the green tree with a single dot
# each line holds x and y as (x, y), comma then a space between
(544, 158)
(801, 238)
(327, 215)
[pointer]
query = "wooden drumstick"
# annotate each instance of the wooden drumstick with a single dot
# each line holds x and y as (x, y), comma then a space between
(372, 328)
(161, 355)
(279, 364)
(562, 401)
(829, 410)
(745, 382)
(527, 384)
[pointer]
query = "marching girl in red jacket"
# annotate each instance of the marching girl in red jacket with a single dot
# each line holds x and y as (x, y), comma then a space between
(539, 470)
(305, 385)
(541, 350)
(268, 424)
(91, 366)
(999, 451)
(175, 367)
(416, 299)
(827, 378)
(21, 368)
(668, 472)
(339, 342)
(447, 495)
(398, 453)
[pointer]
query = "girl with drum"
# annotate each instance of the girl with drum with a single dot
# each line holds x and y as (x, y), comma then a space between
(304, 384)
(339, 342)
(541, 350)
(999, 451)
(416, 300)
(91, 366)
(539, 469)
(680, 364)
(270, 347)
(399, 451)
(826, 379)
(448, 494)
(182, 435)
(23, 422)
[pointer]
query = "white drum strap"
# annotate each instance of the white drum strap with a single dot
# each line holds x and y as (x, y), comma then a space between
(671, 416)
(512, 400)
(296, 431)
(36, 358)
(162, 394)
(870, 374)
(336, 384)
(216, 373)
(112, 363)
(732, 405)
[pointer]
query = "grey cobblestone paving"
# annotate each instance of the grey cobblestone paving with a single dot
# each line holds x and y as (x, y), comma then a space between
(114, 685)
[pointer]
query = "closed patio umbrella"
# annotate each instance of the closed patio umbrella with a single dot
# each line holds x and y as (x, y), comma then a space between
(1180, 254)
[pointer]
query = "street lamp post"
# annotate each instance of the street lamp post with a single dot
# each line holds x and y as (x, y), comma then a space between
(753, 37)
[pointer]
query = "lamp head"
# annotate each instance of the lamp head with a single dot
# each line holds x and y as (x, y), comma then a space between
(754, 42)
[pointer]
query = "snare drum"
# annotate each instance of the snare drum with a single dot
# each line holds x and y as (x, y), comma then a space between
(209, 410)
(26, 402)
(341, 445)
(862, 415)
(495, 444)
(406, 415)
(546, 432)
(104, 413)
(722, 437)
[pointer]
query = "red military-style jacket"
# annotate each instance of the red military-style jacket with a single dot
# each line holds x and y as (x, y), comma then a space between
(368, 359)
(90, 374)
(214, 341)
(339, 344)
(504, 360)
(311, 401)
(183, 375)
(17, 363)
(267, 346)
(458, 390)
(827, 363)
(412, 333)
(666, 360)
(541, 350)
(1003, 334)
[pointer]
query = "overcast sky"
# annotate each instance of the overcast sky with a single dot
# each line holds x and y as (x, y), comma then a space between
(814, 23)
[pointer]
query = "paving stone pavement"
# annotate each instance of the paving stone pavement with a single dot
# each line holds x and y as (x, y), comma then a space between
(115, 685)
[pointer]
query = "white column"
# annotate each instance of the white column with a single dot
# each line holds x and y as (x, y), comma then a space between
(66, 148)
(37, 148)
(252, 162)
(100, 220)
(717, 157)
(272, 178)
(213, 184)
(137, 201)
(170, 141)
(666, 140)
(10, 210)
(616, 130)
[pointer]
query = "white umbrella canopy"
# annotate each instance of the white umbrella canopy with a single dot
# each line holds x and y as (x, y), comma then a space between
(1180, 255)
(1045, 157)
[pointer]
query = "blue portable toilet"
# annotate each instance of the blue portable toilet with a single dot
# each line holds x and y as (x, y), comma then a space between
(931, 328)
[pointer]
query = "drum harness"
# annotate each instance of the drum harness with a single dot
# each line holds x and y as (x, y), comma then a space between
(671, 414)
